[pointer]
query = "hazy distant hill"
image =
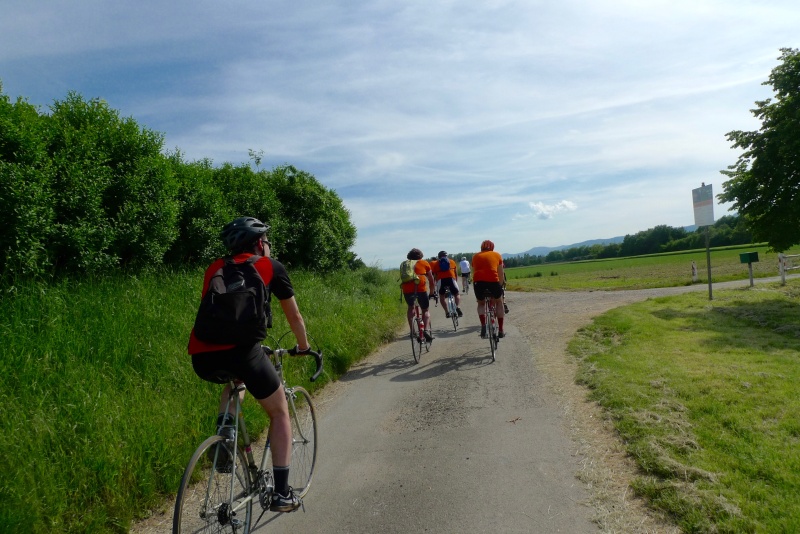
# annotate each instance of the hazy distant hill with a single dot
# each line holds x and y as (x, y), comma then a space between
(543, 251)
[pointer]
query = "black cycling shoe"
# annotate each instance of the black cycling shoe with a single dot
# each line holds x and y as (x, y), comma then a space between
(458, 311)
(501, 334)
(447, 315)
(483, 332)
(284, 503)
(428, 336)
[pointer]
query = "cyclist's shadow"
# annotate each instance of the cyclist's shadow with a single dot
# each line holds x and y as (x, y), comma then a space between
(439, 365)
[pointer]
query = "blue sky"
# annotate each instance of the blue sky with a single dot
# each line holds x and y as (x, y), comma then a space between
(439, 124)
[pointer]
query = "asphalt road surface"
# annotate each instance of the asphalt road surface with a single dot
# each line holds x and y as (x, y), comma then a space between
(455, 443)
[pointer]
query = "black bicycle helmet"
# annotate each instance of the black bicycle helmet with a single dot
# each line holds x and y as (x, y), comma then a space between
(442, 254)
(242, 232)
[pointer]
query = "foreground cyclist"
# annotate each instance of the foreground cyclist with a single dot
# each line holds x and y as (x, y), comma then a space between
(423, 270)
(487, 273)
(245, 237)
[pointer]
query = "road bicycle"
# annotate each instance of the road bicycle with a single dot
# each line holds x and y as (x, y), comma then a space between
(452, 309)
(222, 481)
(418, 340)
(492, 328)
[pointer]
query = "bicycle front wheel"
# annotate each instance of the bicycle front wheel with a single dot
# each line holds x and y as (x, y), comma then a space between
(214, 497)
(416, 343)
(453, 313)
(304, 440)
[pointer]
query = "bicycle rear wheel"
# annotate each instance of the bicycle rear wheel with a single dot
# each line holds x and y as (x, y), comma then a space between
(491, 323)
(304, 440)
(416, 340)
(205, 502)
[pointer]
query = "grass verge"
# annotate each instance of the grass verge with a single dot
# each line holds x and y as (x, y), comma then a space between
(704, 395)
(99, 405)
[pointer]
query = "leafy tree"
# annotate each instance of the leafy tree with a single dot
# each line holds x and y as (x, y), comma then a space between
(314, 229)
(764, 183)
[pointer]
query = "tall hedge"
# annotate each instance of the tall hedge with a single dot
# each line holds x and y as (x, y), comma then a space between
(83, 190)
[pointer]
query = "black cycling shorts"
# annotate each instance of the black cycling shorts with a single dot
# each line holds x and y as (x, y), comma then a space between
(448, 282)
(495, 288)
(246, 363)
(422, 297)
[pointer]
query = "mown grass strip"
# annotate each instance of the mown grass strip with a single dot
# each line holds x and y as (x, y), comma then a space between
(704, 394)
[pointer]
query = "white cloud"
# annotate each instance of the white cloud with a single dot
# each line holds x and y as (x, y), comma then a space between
(546, 211)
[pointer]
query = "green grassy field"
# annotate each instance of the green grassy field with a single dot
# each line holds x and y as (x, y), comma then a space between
(642, 272)
(704, 396)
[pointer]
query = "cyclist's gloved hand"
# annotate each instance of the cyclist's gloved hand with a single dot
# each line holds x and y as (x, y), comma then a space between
(298, 351)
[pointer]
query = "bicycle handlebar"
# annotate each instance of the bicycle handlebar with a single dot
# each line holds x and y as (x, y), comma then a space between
(294, 352)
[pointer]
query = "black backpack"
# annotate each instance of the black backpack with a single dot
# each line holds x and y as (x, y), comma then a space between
(234, 310)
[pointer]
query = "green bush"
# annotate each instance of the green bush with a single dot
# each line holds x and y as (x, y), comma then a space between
(83, 190)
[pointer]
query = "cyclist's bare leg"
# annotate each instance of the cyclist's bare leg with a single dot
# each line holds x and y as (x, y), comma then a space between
(498, 306)
(410, 314)
(223, 400)
(280, 428)
(426, 318)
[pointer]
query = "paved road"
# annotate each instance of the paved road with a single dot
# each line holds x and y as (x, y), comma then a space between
(452, 444)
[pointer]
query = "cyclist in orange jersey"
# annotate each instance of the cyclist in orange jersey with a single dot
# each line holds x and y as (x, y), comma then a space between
(488, 273)
(444, 271)
(423, 269)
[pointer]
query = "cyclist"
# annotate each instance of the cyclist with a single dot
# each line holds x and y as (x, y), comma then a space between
(446, 277)
(465, 272)
(487, 273)
(245, 237)
(420, 290)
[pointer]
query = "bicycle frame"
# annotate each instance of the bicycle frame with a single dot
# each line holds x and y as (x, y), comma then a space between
(250, 480)
(416, 325)
(452, 309)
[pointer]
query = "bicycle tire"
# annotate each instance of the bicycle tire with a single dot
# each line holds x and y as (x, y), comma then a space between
(304, 440)
(492, 331)
(451, 305)
(205, 494)
(416, 342)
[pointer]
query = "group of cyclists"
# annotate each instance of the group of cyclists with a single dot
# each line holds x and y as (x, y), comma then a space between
(437, 276)
(246, 241)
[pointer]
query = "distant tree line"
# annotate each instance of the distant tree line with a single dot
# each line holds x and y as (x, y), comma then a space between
(83, 190)
(728, 230)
